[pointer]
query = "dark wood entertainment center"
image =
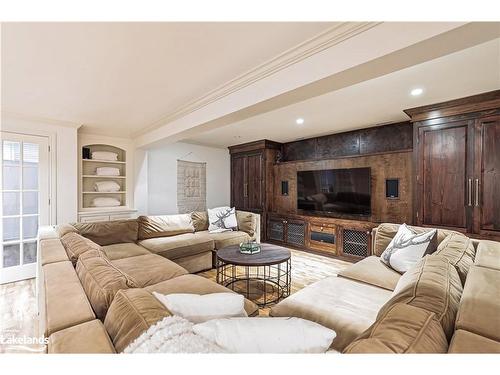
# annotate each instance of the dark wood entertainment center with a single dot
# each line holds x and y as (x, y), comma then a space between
(451, 147)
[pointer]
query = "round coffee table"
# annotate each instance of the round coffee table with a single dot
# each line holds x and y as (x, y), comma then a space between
(263, 278)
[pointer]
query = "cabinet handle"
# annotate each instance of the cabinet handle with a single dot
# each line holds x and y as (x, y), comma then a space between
(477, 192)
(469, 192)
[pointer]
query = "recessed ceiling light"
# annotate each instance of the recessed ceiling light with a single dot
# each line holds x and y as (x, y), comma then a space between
(299, 121)
(416, 92)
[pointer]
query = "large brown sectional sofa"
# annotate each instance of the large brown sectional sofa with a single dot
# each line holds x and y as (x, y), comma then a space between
(448, 302)
(95, 280)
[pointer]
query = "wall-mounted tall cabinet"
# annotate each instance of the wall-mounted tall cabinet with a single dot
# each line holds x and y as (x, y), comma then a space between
(252, 177)
(457, 165)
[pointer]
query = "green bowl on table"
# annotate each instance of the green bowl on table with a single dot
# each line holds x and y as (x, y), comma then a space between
(249, 248)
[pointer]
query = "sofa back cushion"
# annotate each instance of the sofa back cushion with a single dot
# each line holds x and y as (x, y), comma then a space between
(459, 251)
(164, 225)
(109, 232)
(246, 222)
(386, 232)
(76, 245)
(63, 229)
(132, 312)
(200, 220)
(402, 329)
(432, 284)
(101, 280)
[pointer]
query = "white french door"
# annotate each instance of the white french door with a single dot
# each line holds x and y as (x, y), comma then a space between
(24, 202)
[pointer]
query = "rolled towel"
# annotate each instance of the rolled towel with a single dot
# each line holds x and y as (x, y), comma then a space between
(105, 155)
(106, 186)
(107, 171)
(106, 202)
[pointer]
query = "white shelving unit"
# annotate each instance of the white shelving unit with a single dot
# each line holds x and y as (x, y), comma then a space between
(88, 177)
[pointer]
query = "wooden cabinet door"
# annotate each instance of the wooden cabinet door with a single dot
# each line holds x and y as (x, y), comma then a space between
(238, 181)
(487, 177)
(254, 182)
(443, 179)
(276, 229)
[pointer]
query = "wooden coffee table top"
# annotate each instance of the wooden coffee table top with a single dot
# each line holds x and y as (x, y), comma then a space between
(269, 254)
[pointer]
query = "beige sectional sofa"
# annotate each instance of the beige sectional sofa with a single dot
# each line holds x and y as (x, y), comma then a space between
(448, 302)
(83, 267)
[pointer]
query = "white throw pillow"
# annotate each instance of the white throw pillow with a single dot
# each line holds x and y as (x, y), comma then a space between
(200, 308)
(267, 335)
(407, 248)
(222, 219)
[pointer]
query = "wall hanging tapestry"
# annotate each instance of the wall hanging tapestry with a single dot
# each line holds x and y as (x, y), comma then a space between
(191, 186)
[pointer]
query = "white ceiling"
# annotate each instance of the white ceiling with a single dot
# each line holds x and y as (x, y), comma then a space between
(381, 100)
(119, 78)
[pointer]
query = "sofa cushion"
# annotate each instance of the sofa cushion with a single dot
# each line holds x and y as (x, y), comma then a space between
(101, 280)
(459, 251)
(52, 251)
(224, 239)
(196, 263)
(149, 269)
(76, 245)
(63, 289)
(63, 229)
(372, 271)
(132, 312)
(464, 342)
(164, 225)
(200, 220)
(488, 255)
(386, 232)
(124, 250)
(88, 337)
(246, 222)
(479, 310)
(197, 285)
(346, 306)
(109, 232)
(402, 329)
(433, 285)
(179, 246)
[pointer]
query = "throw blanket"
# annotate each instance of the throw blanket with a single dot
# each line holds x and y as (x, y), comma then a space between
(173, 334)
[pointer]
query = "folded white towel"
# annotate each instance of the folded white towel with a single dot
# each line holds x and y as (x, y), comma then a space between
(107, 171)
(105, 155)
(106, 202)
(106, 186)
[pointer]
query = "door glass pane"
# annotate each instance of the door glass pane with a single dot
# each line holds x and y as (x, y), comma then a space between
(29, 252)
(30, 226)
(11, 152)
(30, 178)
(11, 204)
(11, 229)
(30, 153)
(30, 202)
(11, 255)
(11, 177)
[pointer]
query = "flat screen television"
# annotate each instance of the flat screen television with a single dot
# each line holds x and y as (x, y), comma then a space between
(335, 192)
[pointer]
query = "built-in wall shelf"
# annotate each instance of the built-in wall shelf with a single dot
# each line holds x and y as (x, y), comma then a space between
(98, 176)
(104, 192)
(102, 161)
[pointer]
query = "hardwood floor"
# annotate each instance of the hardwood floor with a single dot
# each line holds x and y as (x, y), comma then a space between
(18, 313)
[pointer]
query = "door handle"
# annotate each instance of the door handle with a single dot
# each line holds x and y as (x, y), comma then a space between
(477, 192)
(469, 192)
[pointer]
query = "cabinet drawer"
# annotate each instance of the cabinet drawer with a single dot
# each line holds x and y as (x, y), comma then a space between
(90, 219)
(329, 229)
(120, 217)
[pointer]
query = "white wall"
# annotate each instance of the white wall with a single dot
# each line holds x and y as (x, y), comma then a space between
(63, 160)
(162, 175)
(141, 196)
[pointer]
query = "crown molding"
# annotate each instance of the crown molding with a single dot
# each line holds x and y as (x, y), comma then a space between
(38, 119)
(325, 40)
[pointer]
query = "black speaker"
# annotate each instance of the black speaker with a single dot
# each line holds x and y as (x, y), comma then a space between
(85, 153)
(284, 187)
(392, 188)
